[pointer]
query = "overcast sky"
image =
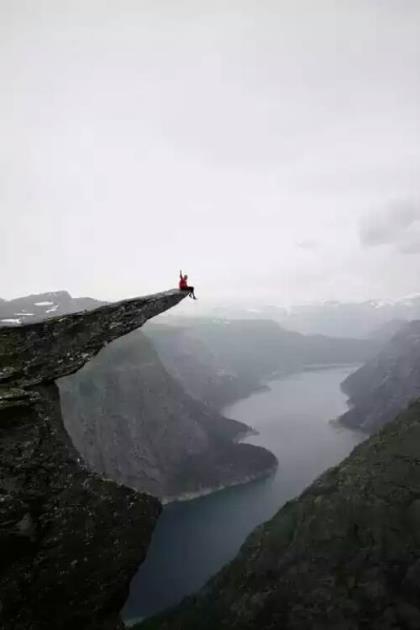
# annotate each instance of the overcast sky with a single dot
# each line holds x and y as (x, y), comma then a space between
(269, 148)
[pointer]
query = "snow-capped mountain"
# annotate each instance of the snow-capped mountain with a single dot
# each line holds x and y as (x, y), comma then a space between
(33, 308)
(332, 318)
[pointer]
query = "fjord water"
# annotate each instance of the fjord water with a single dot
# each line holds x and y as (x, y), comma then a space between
(195, 539)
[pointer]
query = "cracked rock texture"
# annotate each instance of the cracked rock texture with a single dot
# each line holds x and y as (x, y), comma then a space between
(345, 555)
(70, 541)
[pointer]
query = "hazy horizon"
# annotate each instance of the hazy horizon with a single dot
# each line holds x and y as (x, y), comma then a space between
(269, 149)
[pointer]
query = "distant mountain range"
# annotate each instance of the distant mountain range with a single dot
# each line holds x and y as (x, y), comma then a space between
(335, 319)
(33, 308)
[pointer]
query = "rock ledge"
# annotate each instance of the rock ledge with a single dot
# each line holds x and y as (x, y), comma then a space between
(70, 541)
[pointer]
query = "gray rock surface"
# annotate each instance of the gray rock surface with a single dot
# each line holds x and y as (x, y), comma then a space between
(70, 541)
(345, 555)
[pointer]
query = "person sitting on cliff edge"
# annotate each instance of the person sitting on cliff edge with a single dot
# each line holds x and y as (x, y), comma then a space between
(183, 285)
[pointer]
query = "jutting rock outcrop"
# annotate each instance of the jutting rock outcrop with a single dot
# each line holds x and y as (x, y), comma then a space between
(70, 541)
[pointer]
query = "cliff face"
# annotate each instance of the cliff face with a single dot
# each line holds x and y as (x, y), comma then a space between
(344, 555)
(387, 383)
(70, 541)
(195, 363)
(133, 422)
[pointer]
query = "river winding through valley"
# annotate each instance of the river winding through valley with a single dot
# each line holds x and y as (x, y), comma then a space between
(194, 539)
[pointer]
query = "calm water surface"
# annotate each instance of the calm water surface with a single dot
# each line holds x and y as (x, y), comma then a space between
(195, 539)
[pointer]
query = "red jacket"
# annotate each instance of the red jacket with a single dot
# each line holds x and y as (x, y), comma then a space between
(183, 284)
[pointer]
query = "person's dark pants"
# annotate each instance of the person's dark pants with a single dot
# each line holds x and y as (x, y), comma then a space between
(190, 292)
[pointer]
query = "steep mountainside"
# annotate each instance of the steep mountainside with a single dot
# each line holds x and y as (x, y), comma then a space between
(344, 555)
(70, 541)
(220, 360)
(198, 366)
(387, 383)
(385, 332)
(133, 422)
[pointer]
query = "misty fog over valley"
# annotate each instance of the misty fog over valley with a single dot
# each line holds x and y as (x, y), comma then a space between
(210, 315)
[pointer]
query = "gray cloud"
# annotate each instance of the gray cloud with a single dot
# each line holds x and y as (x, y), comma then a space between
(397, 224)
(240, 141)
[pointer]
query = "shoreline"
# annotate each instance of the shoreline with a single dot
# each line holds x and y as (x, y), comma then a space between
(280, 375)
(316, 367)
(204, 492)
(263, 387)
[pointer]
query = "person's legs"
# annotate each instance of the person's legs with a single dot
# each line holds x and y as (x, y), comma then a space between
(192, 294)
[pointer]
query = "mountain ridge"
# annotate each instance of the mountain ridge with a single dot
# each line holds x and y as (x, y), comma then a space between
(360, 319)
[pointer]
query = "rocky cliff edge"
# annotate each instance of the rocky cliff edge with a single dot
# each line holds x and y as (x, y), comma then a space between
(70, 541)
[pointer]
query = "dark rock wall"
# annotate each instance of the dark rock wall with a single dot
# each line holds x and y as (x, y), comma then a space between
(70, 541)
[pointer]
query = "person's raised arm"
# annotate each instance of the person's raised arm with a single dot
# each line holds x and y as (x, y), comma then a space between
(180, 273)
